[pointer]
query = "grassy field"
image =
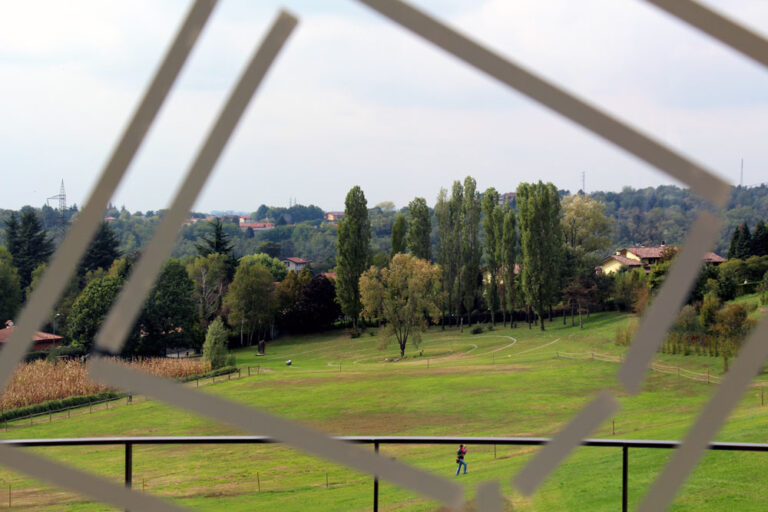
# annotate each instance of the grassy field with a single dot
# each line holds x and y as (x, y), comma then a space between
(505, 382)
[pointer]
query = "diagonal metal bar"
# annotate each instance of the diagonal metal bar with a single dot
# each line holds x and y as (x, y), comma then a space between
(746, 367)
(77, 240)
(553, 453)
(287, 431)
(671, 297)
(84, 483)
(125, 311)
(719, 26)
(702, 181)
(489, 497)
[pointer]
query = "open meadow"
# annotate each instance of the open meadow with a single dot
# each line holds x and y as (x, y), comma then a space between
(504, 382)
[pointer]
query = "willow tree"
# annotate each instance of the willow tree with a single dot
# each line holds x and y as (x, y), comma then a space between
(405, 295)
(419, 229)
(541, 243)
(352, 245)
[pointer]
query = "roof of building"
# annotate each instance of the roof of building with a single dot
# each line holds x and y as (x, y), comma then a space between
(5, 334)
(648, 252)
(713, 258)
(258, 225)
(329, 275)
(623, 259)
(298, 261)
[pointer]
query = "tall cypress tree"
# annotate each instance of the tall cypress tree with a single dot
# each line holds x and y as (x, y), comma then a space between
(419, 229)
(508, 260)
(760, 239)
(493, 227)
(471, 250)
(353, 251)
(218, 243)
(541, 243)
(398, 234)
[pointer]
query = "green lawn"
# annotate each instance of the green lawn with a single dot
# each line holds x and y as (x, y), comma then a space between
(505, 382)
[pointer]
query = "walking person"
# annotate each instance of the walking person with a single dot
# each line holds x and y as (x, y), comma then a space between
(462, 451)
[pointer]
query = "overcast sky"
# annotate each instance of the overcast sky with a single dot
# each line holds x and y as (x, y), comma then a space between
(356, 100)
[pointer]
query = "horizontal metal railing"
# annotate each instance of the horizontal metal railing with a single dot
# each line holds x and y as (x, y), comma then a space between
(377, 441)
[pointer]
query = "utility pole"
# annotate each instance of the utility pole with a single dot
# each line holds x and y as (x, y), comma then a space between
(584, 182)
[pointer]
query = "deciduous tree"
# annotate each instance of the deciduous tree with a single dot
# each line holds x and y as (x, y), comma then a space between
(353, 250)
(419, 229)
(508, 262)
(215, 346)
(493, 225)
(250, 302)
(405, 295)
(541, 243)
(398, 234)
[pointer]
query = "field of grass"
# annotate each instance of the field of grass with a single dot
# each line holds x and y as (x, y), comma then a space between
(505, 382)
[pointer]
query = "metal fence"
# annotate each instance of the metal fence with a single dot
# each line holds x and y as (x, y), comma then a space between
(377, 441)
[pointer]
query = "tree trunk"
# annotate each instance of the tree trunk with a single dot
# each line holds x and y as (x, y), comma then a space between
(564, 315)
(541, 319)
(528, 316)
(573, 323)
(581, 321)
(461, 324)
(550, 313)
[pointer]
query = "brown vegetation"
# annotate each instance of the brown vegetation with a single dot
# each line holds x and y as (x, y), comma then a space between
(42, 380)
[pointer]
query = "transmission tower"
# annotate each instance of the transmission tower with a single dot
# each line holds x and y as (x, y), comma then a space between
(61, 197)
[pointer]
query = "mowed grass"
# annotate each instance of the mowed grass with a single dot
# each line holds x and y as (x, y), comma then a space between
(505, 382)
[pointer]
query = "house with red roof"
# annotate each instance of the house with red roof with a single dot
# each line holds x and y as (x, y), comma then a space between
(644, 258)
(42, 340)
(295, 264)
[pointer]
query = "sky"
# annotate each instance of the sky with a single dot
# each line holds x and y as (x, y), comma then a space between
(355, 100)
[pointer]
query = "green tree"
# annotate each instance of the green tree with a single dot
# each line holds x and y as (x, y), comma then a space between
(585, 225)
(102, 251)
(276, 267)
(493, 225)
(709, 308)
(28, 243)
(405, 295)
(209, 275)
(215, 346)
(10, 287)
(471, 249)
(447, 212)
(508, 261)
(398, 234)
(91, 307)
(251, 302)
(169, 316)
(541, 243)
(353, 250)
(419, 229)
(741, 243)
(760, 239)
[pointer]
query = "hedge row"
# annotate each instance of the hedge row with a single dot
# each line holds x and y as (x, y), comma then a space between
(213, 373)
(58, 405)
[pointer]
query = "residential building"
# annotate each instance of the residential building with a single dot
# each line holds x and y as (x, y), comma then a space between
(295, 264)
(644, 258)
(334, 216)
(42, 340)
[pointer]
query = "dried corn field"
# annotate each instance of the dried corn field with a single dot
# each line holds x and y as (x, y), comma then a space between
(42, 380)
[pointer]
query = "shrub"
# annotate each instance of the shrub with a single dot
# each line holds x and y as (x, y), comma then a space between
(478, 329)
(215, 346)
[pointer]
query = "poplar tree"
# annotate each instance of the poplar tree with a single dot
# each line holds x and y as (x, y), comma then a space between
(493, 225)
(471, 250)
(419, 229)
(398, 234)
(508, 258)
(541, 243)
(352, 247)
